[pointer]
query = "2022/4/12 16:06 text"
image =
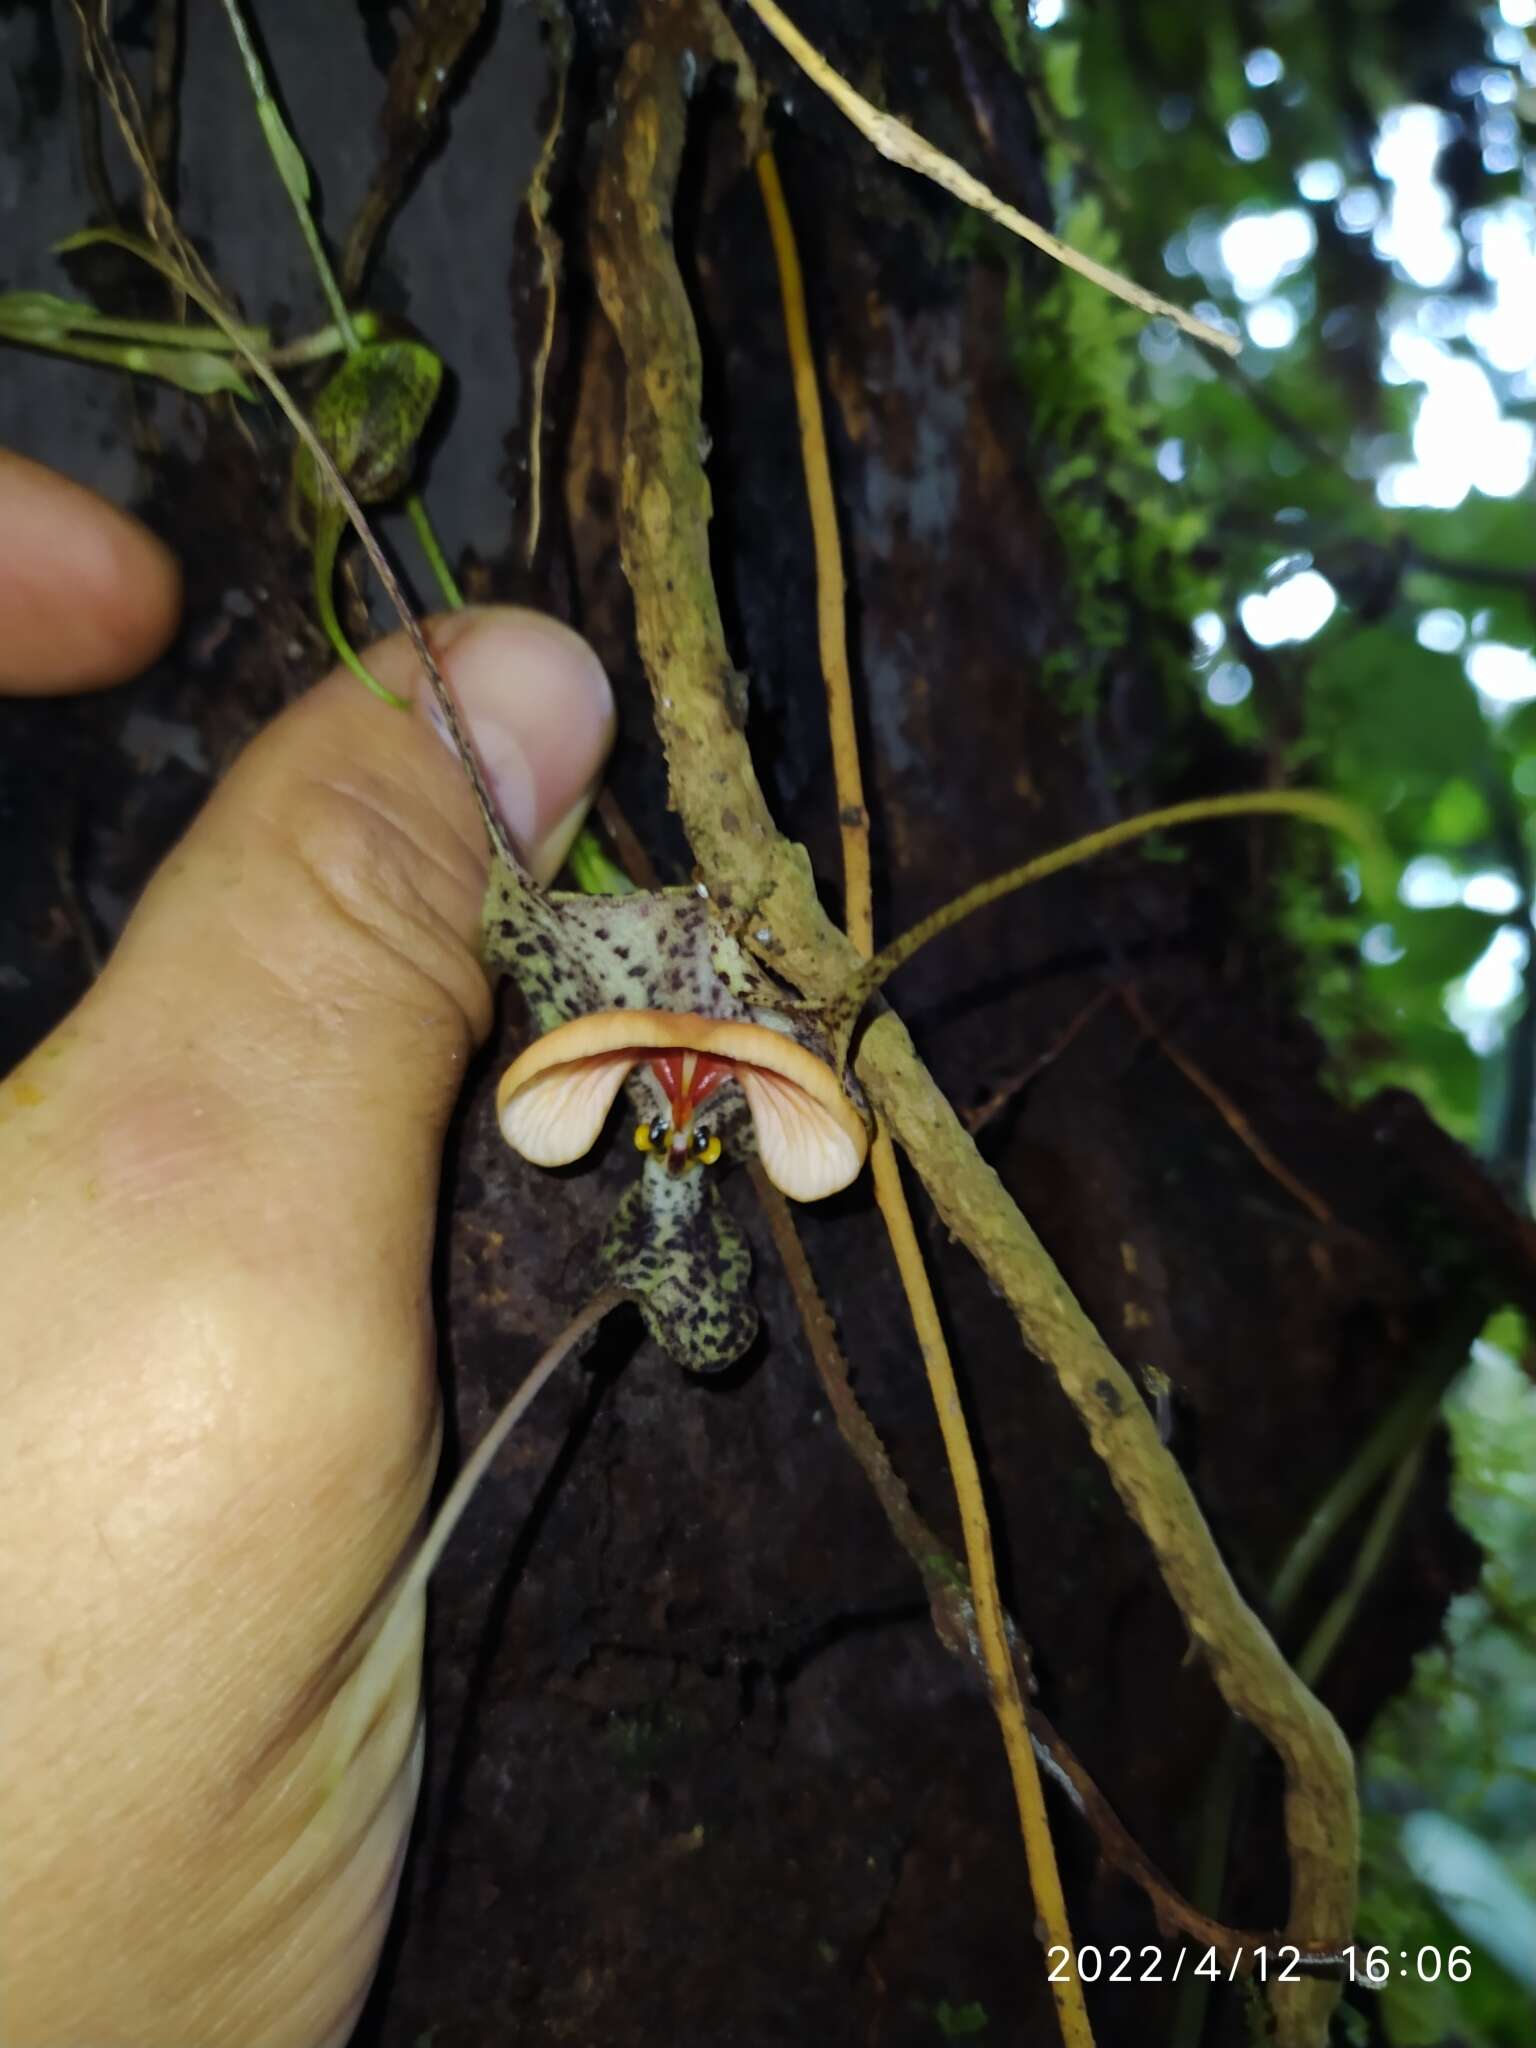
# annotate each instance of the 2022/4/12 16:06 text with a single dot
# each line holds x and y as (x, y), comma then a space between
(1282, 1964)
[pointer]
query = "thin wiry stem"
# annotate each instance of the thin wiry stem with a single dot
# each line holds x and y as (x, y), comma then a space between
(163, 96)
(328, 529)
(292, 169)
(991, 1625)
(594, 872)
(168, 267)
(1387, 1445)
(903, 145)
(997, 1652)
(432, 548)
(954, 1616)
(88, 98)
(368, 1685)
(63, 318)
(548, 245)
(1227, 1110)
(1397, 1441)
(1317, 1652)
(116, 88)
(1297, 803)
(831, 623)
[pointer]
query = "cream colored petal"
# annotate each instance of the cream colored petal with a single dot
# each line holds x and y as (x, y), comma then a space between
(806, 1151)
(555, 1117)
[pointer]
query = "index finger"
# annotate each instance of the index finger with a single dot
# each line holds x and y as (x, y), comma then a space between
(88, 596)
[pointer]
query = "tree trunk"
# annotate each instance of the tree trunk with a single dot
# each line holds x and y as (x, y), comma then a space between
(700, 1769)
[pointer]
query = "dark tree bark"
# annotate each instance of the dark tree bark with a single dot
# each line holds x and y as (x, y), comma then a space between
(700, 1770)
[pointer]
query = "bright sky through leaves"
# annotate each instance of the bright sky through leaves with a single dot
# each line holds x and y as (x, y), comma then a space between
(1459, 334)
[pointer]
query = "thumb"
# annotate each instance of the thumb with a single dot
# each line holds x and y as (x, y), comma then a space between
(312, 946)
(216, 1181)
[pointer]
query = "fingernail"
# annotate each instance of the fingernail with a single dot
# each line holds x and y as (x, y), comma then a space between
(537, 706)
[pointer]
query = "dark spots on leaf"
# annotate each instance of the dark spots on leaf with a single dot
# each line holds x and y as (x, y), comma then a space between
(1109, 1395)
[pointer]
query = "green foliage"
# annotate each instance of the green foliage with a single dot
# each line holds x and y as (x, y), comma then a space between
(42, 316)
(286, 153)
(961, 2022)
(370, 416)
(1280, 461)
(593, 872)
(1276, 479)
(1128, 546)
(1281, 465)
(1400, 729)
(195, 359)
(1174, 137)
(1489, 535)
(1392, 720)
(1460, 1744)
(1012, 27)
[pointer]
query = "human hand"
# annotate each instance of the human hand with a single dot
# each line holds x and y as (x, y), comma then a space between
(217, 1396)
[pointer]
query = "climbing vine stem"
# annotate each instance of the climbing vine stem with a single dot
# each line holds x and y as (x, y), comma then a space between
(757, 876)
(1296, 803)
(903, 145)
(831, 608)
(991, 1622)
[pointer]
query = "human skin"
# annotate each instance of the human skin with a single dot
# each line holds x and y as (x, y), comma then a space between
(218, 1405)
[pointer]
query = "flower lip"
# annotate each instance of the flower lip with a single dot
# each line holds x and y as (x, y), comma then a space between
(554, 1098)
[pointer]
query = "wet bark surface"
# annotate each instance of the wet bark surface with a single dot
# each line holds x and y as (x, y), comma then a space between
(699, 1769)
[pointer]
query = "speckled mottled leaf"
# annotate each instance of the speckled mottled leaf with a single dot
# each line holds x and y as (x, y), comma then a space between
(664, 949)
(370, 415)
